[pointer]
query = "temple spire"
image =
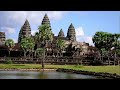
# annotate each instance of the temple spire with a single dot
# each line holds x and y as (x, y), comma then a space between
(46, 21)
(61, 33)
(71, 34)
(25, 31)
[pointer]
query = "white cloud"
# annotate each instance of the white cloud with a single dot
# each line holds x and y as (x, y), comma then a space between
(34, 17)
(81, 37)
(8, 30)
(79, 31)
(88, 39)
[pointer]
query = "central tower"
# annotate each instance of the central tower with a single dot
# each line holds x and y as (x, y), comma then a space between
(71, 34)
(46, 21)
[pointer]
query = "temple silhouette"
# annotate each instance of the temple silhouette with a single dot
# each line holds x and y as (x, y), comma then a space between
(71, 49)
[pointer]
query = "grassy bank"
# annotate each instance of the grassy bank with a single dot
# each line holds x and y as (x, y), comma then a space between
(108, 69)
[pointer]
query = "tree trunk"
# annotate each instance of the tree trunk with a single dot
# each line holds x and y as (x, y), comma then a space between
(43, 59)
(115, 58)
(9, 53)
(25, 55)
(108, 59)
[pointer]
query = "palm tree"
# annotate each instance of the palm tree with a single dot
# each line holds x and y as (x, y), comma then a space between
(10, 44)
(27, 44)
(44, 36)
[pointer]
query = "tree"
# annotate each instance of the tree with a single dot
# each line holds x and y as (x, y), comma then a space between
(44, 36)
(10, 44)
(116, 45)
(103, 41)
(60, 45)
(27, 44)
(39, 52)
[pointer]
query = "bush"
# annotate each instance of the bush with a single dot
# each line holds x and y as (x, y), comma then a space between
(8, 61)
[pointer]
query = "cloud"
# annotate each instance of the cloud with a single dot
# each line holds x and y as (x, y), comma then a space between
(13, 20)
(79, 31)
(34, 17)
(88, 39)
(81, 37)
(8, 30)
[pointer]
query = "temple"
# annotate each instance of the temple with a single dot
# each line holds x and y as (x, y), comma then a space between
(72, 45)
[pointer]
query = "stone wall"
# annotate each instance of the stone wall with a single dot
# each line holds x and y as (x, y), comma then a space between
(98, 74)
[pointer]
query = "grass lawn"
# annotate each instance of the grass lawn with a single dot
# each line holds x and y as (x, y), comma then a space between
(108, 69)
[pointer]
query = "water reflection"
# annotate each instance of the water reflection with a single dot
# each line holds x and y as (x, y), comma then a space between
(41, 75)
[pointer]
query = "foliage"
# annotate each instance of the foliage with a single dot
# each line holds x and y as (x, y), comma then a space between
(103, 40)
(39, 51)
(8, 61)
(61, 44)
(9, 43)
(27, 43)
(45, 34)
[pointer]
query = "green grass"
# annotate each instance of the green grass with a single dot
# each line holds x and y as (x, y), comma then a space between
(108, 69)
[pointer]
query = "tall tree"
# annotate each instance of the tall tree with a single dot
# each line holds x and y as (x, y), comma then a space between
(27, 44)
(103, 40)
(44, 36)
(10, 44)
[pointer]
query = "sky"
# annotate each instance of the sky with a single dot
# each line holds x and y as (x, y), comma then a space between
(86, 23)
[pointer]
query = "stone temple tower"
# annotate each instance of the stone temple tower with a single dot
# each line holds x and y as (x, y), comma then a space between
(46, 21)
(25, 31)
(61, 33)
(71, 34)
(2, 38)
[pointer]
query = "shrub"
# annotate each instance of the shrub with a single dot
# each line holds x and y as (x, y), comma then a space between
(8, 61)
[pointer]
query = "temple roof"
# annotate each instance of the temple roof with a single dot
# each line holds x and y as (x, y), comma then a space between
(2, 34)
(26, 26)
(15, 48)
(46, 21)
(71, 34)
(56, 37)
(71, 30)
(61, 33)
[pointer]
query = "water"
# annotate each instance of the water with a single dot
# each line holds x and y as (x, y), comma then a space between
(41, 75)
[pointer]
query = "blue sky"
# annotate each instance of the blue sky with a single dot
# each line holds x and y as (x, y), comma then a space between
(86, 23)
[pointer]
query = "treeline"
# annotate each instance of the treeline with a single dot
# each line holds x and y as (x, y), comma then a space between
(108, 44)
